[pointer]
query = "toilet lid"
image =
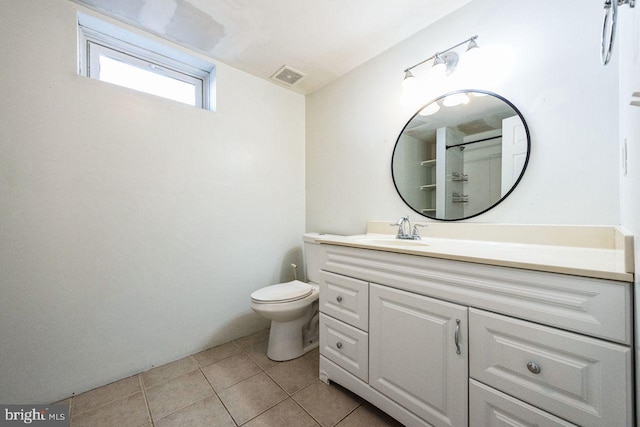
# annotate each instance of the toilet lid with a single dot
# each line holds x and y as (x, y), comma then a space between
(282, 292)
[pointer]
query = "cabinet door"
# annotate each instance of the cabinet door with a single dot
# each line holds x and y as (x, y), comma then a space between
(418, 354)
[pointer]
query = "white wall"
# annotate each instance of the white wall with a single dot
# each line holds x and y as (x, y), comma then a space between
(545, 60)
(132, 229)
(628, 55)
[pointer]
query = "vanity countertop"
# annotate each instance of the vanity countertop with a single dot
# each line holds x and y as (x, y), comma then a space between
(591, 251)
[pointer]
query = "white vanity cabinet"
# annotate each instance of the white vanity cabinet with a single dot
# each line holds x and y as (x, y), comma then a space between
(438, 342)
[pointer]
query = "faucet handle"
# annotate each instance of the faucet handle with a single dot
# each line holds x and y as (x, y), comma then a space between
(399, 225)
(415, 234)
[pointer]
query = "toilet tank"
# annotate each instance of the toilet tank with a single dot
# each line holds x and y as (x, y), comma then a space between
(312, 257)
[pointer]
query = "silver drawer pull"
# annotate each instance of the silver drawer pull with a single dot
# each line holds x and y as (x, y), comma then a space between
(339, 298)
(339, 345)
(533, 367)
(456, 337)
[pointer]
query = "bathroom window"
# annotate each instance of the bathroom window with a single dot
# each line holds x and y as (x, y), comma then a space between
(111, 54)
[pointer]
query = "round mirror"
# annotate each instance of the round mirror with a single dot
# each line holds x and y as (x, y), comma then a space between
(460, 155)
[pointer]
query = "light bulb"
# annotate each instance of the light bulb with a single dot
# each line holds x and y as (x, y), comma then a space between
(409, 89)
(455, 99)
(409, 81)
(430, 109)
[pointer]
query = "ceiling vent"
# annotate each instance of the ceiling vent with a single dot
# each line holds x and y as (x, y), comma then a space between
(288, 75)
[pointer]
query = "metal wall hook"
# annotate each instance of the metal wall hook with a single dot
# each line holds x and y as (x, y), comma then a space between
(609, 24)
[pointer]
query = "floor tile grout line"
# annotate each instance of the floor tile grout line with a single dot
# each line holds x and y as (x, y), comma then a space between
(120, 397)
(282, 387)
(181, 408)
(146, 401)
(191, 404)
(264, 371)
(289, 396)
(276, 383)
(244, 379)
(71, 407)
(250, 358)
(349, 413)
(215, 361)
(219, 398)
(186, 406)
(269, 408)
(258, 363)
(231, 385)
(314, 418)
(303, 408)
(169, 379)
(144, 385)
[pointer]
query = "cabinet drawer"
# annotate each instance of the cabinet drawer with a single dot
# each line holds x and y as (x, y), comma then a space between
(491, 408)
(581, 379)
(345, 345)
(345, 298)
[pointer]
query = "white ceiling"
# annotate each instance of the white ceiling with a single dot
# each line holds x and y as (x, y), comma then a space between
(321, 38)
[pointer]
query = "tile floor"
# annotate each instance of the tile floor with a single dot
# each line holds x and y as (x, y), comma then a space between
(234, 384)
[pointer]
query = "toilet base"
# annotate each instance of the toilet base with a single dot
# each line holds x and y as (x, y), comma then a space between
(286, 340)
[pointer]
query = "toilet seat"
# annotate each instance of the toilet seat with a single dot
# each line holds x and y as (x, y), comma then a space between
(282, 292)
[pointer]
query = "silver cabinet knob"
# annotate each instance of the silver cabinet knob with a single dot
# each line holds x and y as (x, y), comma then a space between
(533, 367)
(339, 345)
(339, 298)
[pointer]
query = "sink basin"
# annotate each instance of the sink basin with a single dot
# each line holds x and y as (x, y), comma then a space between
(390, 241)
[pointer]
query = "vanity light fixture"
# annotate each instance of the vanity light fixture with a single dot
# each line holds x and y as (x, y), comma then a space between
(446, 59)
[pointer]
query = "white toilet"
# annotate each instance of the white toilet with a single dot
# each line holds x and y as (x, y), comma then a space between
(292, 308)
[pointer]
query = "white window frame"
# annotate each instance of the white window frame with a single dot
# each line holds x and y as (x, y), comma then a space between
(98, 38)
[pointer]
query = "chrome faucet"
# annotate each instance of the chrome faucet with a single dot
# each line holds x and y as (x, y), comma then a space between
(404, 229)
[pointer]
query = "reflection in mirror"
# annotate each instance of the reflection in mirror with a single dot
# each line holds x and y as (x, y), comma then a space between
(460, 155)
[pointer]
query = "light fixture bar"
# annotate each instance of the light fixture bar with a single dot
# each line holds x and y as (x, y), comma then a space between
(470, 39)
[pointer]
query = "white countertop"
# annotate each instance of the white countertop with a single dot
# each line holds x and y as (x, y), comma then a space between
(604, 258)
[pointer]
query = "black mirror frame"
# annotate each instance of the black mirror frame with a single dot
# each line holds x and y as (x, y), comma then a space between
(515, 184)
